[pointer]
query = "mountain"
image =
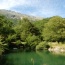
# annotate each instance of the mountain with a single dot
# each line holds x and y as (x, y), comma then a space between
(16, 15)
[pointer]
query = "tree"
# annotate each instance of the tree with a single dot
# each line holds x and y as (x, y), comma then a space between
(54, 29)
(32, 41)
(24, 28)
(40, 24)
(5, 26)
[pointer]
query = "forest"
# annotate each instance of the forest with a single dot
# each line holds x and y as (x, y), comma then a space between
(30, 35)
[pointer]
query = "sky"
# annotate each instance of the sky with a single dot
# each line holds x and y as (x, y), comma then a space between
(41, 8)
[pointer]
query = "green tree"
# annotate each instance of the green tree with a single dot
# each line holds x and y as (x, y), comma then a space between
(24, 28)
(32, 41)
(5, 26)
(40, 24)
(54, 29)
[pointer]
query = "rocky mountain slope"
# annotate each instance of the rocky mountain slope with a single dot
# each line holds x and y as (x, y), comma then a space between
(16, 15)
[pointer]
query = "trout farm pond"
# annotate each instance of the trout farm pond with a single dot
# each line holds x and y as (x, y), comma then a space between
(33, 58)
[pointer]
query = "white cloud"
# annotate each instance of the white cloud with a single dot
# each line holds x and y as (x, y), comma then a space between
(41, 7)
(7, 4)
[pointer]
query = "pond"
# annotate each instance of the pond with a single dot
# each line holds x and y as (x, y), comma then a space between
(33, 58)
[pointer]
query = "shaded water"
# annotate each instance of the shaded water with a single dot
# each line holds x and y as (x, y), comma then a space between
(34, 58)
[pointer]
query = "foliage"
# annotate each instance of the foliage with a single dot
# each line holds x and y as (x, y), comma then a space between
(35, 34)
(11, 38)
(32, 40)
(40, 24)
(54, 29)
(42, 45)
(18, 42)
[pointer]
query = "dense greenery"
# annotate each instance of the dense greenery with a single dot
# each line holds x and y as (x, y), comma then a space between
(54, 29)
(30, 35)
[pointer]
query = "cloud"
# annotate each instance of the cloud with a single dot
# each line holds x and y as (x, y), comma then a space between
(43, 8)
(8, 4)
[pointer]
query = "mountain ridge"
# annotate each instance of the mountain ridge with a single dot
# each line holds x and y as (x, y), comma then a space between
(16, 15)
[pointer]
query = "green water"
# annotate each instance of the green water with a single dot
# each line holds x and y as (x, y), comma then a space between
(34, 58)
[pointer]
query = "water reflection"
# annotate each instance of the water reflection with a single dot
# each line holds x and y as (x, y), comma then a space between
(34, 58)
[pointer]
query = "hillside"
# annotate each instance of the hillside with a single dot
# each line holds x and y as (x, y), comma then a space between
(16, 15)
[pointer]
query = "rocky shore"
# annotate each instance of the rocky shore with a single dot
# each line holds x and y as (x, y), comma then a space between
(57, 49)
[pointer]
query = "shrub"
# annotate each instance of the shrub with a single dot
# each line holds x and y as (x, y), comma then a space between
(42, 45)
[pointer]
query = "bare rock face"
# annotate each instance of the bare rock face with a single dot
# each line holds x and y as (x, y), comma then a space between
(16, 15)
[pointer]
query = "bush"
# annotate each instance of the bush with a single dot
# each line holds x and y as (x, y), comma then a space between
(42, 45)
(18, 42)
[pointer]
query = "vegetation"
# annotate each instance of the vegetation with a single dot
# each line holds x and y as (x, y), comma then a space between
(54, 29)
(30, 35)
(42, 46)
